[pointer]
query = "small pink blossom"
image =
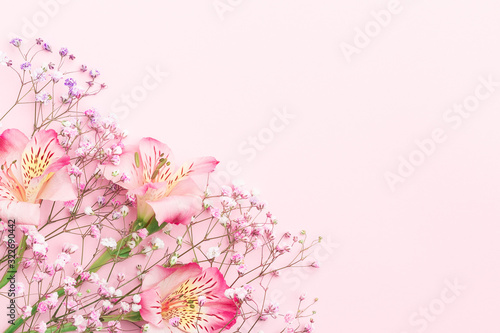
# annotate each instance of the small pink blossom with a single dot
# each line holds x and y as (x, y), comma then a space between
(42, 307)
(143, 233)
(26, 311)
(39, 276)
(289, 317)
(41, 327)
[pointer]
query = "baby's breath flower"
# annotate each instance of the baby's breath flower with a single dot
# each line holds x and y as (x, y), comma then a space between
(173, 259)
(213, 252)
(109, 243)
(89, 211)
(157, 243)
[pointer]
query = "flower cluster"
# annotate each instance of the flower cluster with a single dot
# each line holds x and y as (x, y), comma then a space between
(114, 236)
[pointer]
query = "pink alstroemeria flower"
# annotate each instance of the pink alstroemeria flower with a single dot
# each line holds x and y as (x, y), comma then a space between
(31, 171)
(148, 172)
(170, 302)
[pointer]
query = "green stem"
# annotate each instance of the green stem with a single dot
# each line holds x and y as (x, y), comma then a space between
(12, 268)
(68, 327)
(96, 265)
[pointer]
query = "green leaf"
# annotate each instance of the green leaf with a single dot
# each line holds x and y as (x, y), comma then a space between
(154, 227)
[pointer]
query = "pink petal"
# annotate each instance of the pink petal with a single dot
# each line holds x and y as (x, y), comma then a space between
(187, 187)
(203, 165)
(165, 284)
(176, 209)
(167, 279)
(151, 308)
(43, 155)
(58, 188)
(198, 166)
(182, 203)
(142, 190)
(12, 143)
(151, 151)
(21, 212)
(219, 311)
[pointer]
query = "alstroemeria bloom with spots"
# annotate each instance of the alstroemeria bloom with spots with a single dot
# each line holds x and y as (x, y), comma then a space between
(31, 171)
(161, 189)
(186, 299)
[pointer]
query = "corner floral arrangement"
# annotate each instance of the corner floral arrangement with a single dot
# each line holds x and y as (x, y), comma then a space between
(101, 234)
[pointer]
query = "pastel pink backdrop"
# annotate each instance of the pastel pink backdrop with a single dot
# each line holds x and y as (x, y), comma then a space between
(392, 251)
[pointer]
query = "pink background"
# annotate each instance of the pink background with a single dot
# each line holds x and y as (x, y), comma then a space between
(388, 253)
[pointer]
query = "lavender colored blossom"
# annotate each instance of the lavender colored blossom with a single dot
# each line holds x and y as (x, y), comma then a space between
(16, 42)
(63, 52)
(25, 66)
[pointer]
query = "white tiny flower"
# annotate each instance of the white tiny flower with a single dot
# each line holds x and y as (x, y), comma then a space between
(88, 211)
(136, 307)
(145, 328)
(157, 243)
(173, 259)
(207, 203)
(69, 281)
(167, 228)
(56, 76)
(125, 306)
(78, 320)
(117, 150)
(136, 298)
(124, 211)
(229, 293)
(26, 311)
(179, 240)
(109, 243)
(240, 293)
(223, 220)
(118, 293)
(213, 252)
(131, 244)
(106, 305)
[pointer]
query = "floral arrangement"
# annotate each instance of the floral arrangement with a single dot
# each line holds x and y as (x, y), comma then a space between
(99, 234)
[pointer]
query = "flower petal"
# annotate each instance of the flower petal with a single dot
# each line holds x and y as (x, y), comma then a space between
(21, 212)
(58, 188)
(151, 307)
(169, 278)
(176, 209)
(198, 166)
(12, 143)
(181, 204)
(151, 151)
(217, 313)
(42, 155)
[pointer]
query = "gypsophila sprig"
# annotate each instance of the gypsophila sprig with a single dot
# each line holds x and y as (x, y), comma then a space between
(114, 236)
